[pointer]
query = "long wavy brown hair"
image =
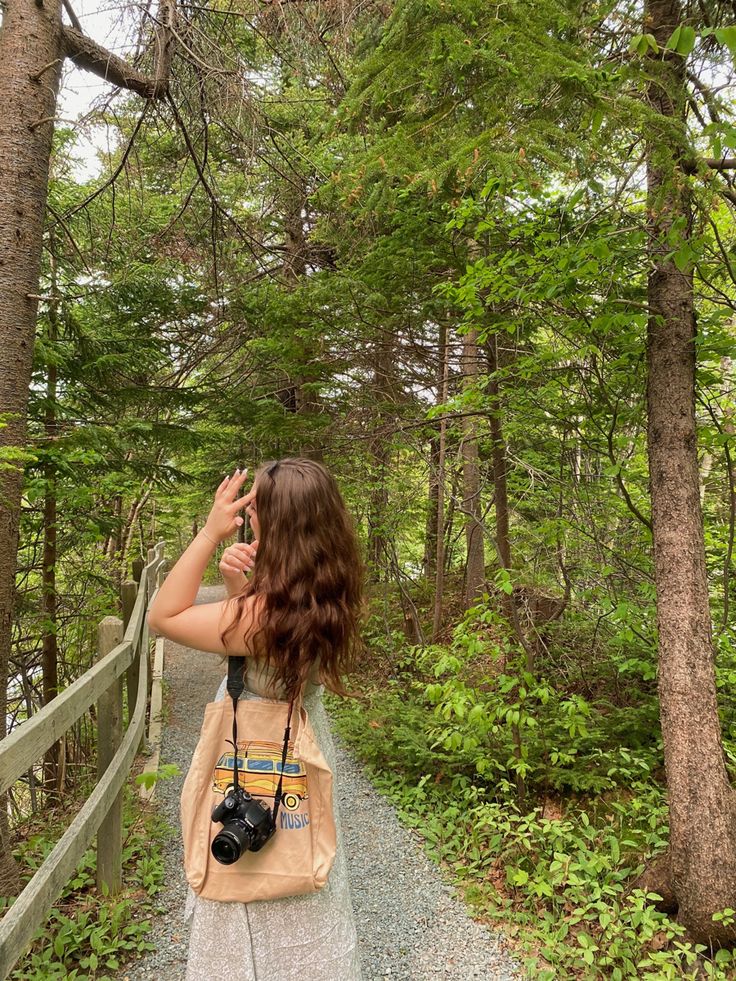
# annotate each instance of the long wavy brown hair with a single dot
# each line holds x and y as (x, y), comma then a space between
(310, 573)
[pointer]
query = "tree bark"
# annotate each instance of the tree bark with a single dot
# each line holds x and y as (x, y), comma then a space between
(440, 560)
(90, 56)
(30, 68)
(501, 506)
(33, 45)
(503, 537)
(430, 534)
(135, 509)
(475, 567)
(728, 427)
(498, 454)
(702, 852)
(50, 651)
(379, 549)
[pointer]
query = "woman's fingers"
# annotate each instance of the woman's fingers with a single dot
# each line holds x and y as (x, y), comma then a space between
(233, 570)
(223, 484)
(230, 570)
(238, 479)
(237, 503)
(231, 483)
(239, 556)
(238, 549)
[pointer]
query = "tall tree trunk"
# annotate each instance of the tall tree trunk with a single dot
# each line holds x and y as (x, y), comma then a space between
(475, 566)
(33, 45)
(430, 535)
(728, 427)
(501, 501)
(30, 68)
(379, 550)
(114, 539)
(50, 652)
(440, 560)
(135, 509)
(498, 455)
(701, 861)
(503, 537)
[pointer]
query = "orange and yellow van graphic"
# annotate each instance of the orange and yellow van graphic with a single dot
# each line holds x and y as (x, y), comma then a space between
(259, 769)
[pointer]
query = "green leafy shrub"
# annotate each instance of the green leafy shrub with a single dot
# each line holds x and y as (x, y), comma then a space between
(438, 739)
(88, 933)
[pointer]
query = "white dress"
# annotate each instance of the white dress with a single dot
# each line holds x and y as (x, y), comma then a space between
(310, 936)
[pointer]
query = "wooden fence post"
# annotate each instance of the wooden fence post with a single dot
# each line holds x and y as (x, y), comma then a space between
(109, 737)
(151, 584)
(163, 571)
(151, 580)
(128, 593)
(138, 568)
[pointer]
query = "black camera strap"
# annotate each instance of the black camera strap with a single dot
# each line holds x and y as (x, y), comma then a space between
(287, 731)
(235, 687)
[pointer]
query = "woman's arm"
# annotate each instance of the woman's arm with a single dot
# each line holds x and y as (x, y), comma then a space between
(200, 626)
(179, 589)
(173, 613)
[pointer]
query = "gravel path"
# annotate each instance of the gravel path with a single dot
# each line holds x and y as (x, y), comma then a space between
(410, 926)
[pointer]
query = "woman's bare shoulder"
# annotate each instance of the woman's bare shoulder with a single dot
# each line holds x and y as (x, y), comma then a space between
(243, 639)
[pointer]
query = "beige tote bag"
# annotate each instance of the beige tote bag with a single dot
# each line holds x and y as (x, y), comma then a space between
(299, 855)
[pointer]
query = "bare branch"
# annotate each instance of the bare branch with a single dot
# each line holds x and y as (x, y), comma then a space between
(721, 163)
(164, 46)
(91, 56)
(72, 16)
(715, 163)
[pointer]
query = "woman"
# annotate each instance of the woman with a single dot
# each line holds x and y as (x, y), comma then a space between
(296, 620)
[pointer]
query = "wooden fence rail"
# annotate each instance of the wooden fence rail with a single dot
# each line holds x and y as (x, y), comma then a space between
(116, 752)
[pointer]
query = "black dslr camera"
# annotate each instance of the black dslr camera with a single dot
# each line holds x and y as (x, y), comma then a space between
(247, 825)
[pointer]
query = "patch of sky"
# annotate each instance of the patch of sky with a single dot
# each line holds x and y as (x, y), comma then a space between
(82, 94)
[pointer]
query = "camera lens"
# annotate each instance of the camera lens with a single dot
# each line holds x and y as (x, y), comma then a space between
(229, 844)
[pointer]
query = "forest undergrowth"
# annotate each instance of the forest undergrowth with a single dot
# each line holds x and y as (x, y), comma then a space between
(89, 934)
(542, 795)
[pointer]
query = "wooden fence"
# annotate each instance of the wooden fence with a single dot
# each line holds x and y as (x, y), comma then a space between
(123, 648)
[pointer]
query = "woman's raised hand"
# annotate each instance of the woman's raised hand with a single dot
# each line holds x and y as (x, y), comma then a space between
(224, 519)
(237, 559)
